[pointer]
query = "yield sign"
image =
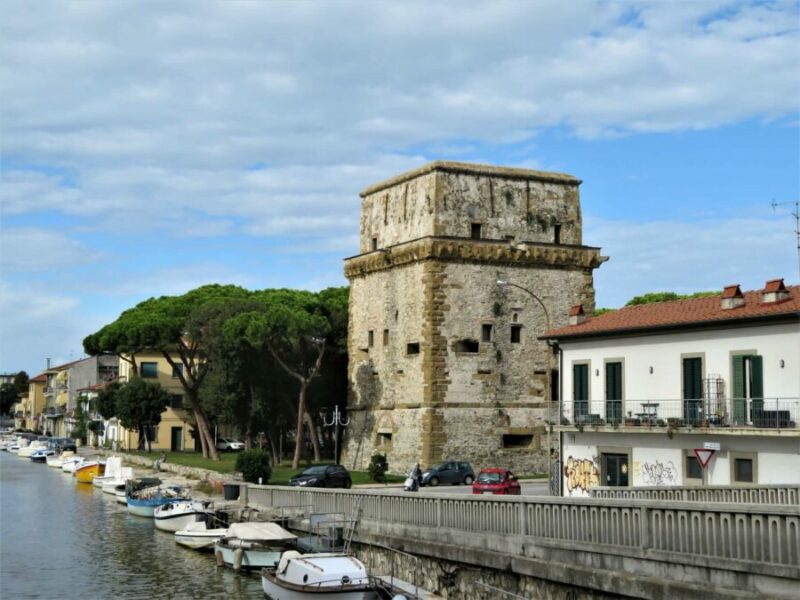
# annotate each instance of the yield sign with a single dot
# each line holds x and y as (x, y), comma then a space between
(703, 456)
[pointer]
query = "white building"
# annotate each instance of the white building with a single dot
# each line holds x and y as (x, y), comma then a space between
(643, 387)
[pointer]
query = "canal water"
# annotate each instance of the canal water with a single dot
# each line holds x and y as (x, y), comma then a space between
(61, 539)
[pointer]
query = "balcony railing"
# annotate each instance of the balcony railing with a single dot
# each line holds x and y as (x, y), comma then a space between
(766, 413)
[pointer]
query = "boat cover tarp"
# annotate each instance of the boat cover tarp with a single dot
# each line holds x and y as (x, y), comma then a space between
(257, 531)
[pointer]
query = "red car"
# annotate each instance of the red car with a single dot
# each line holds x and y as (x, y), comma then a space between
(496, 481)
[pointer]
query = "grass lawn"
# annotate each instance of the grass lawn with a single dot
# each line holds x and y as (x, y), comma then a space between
(280, 474)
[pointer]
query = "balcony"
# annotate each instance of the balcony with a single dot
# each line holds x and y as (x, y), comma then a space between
(727, 413)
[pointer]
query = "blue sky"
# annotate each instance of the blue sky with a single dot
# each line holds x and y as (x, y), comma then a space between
(146, 151)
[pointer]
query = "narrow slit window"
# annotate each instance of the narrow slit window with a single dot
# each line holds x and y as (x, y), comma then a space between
(557, 234)
(486, 332)
(516, 334)
(475, 232)
(370, 339)
(385, 337)
(374, 243)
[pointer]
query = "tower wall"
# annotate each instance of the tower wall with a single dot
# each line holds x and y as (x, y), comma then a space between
(444, 377)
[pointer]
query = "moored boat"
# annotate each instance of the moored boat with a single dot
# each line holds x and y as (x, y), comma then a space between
(111, 486)
(71, 463)
(40, 455)
(143, 496)
(26, 451)
(177, 515)
(198, 537)
(333, 576)
(88, 470)
(253, 545)
(57, 460)
(111, 473)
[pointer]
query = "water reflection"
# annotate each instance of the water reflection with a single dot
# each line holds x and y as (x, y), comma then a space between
(61, 539)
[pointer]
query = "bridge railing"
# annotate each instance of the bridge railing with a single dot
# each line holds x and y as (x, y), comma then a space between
(758, 533)
(761, 494)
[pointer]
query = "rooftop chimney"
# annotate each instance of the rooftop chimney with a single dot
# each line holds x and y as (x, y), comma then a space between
(576, 315)
(732, 297)
(774, 291)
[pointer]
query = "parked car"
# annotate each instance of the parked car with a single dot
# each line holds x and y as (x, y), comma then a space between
(448, 472)
(63, 444)
(496, 480)
(331, 476)
(229, 444)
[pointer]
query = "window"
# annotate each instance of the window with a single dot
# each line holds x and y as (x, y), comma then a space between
(370, 338)
(471, 346)
(385, 337)
(148, 370)
(176, 401)
(486, 332)
(693, 470)
(374, 243)
(515, 440)
(516, 334)
(412, 348)
(614, 469)
(385, 441)
(743, 468)
(580, 391)
(475, 231)
(177, 371)
(557, 234)
(614, 392)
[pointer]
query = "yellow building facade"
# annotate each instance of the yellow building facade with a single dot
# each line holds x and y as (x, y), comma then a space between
(173, 433)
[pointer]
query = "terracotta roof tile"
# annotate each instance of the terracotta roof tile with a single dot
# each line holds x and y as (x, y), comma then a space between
(678, 313)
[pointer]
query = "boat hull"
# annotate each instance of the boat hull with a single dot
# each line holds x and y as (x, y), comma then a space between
(254, 558)
(87, 473)
(176, 522)
(275, 591)
(199, 540)
(147, 508)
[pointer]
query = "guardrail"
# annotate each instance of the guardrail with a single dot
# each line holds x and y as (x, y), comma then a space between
(762, 494)
(756, 533)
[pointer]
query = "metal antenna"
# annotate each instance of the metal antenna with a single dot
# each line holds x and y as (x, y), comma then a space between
(796, 214)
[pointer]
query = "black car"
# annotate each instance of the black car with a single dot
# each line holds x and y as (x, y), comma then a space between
(330, 476)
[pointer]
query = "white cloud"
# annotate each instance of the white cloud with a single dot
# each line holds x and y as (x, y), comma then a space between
(41, 249)
(688, 257)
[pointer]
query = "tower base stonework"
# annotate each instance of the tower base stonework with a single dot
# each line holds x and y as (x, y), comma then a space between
(445, 364)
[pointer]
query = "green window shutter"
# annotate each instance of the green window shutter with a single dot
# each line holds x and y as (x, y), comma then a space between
(739, 404)
(756, 377)
(580, 382)
(613, 381)
(692, 379)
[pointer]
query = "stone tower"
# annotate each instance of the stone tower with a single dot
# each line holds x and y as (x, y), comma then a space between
(444, 363)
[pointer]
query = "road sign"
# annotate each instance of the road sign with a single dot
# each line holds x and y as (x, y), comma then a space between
(711, 446)
(703, 456)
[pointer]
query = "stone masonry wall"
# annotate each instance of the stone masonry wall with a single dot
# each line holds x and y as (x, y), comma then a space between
(471, 393)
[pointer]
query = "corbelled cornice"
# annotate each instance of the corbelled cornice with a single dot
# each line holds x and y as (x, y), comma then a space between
(494, 252)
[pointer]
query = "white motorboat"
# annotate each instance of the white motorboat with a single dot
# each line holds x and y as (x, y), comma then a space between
(333, 576)
(197, 536)
(144, 495)
(121, 495)
(111, 487)
(253, 545)
(113, 468)
(25, 452)
(71, 464)
(57, 460)
(41, 455)
(177, 515)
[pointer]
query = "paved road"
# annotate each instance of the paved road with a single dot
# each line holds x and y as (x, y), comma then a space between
(529, 488)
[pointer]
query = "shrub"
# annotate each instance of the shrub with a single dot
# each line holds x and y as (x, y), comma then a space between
(378, 467)
(254, 464)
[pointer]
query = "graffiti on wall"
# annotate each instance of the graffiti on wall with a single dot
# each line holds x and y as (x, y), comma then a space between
(658, 473)
(581, 474)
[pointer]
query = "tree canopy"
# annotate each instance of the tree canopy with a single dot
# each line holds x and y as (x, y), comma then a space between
(138, 405)
(8, 397)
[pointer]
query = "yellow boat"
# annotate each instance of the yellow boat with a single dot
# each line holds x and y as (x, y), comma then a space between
(89, 470)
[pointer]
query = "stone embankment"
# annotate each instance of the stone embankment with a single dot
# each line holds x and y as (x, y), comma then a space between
(183, 475)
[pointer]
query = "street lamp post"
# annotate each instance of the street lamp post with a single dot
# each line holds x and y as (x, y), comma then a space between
(337, 421)
(503, 283)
